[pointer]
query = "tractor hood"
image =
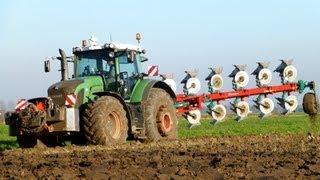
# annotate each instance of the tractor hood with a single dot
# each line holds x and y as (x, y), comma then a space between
(83, 88)
(59, 90)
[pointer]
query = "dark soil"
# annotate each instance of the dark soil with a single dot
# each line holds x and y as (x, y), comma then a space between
(252, 157)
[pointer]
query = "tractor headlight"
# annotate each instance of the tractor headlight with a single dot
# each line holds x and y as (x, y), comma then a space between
(111, 54)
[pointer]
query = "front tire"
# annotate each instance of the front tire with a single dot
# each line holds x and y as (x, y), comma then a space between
(105, 122)
(160, 116)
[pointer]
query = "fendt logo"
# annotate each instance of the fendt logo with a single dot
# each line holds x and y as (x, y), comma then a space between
(71, 100)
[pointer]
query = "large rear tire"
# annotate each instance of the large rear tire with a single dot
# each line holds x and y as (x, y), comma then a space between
(160, 116)
(105, 122)
(26, 141)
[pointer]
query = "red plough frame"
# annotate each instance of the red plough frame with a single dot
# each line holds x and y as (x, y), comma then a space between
(197, 101)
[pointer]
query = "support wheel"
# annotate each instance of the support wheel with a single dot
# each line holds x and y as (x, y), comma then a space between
(310, 104)
(105, 122)
(26, 141)
(160, 116)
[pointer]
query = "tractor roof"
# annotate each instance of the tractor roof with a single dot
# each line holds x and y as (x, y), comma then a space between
(92, 44)
(114, 46)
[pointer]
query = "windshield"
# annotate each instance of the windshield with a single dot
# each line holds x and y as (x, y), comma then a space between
(93, 63)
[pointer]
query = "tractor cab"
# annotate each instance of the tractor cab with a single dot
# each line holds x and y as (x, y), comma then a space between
(119, 65)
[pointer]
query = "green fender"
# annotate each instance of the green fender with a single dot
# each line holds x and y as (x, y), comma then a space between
(86, 90)
(142, 89)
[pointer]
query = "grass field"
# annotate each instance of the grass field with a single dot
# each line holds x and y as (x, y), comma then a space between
(293, 124)
(6, 142)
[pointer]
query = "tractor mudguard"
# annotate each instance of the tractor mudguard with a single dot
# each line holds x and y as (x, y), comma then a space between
(142, 90)
(166, 87)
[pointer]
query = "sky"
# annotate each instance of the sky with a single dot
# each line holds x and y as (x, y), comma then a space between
(178, 36)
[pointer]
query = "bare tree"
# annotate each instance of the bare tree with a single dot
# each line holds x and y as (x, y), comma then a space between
(2, 110)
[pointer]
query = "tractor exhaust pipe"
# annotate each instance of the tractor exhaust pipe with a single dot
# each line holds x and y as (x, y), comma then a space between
(64, 65)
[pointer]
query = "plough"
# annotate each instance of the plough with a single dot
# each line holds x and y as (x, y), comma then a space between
(190, 104)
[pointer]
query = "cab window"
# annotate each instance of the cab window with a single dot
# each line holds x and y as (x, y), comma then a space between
(126, 66)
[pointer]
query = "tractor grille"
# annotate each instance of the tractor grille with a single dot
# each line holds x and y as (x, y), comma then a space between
(58, 99)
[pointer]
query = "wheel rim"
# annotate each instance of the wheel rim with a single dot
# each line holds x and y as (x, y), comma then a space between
(114, 125)
(164, 122)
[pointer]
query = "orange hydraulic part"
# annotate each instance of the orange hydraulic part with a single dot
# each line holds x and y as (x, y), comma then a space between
(41, 106)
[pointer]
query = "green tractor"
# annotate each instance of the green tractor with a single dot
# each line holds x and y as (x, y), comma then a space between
(108, 100)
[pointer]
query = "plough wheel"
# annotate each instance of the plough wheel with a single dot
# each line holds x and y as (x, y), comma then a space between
(310, 104)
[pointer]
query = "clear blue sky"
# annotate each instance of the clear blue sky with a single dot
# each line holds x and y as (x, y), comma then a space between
(178, 35)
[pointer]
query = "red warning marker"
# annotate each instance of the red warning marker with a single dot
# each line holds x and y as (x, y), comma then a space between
(71, 100)
(153, 71)
(21, 105)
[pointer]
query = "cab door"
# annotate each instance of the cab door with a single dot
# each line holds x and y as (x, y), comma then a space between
(128, 72)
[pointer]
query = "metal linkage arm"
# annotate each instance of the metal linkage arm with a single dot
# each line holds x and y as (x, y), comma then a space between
(252, 92)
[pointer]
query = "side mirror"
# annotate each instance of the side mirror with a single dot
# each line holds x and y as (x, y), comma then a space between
(144, 59)
(47, 66)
